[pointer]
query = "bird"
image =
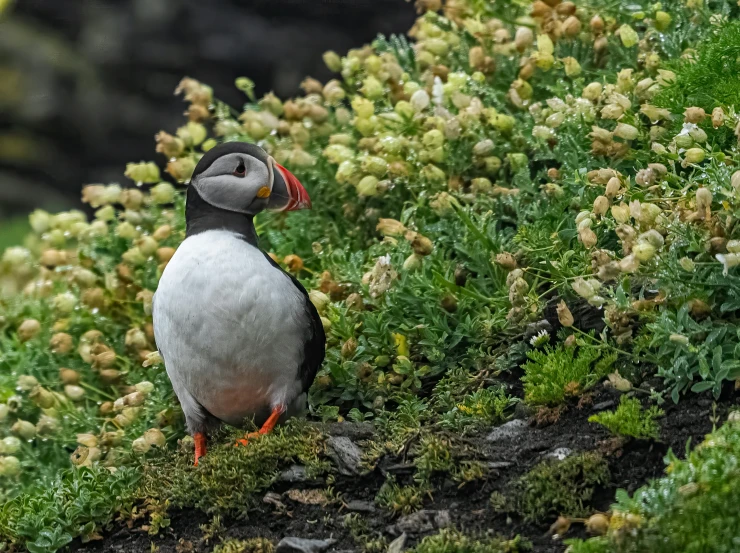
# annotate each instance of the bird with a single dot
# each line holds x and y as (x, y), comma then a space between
(239, 336)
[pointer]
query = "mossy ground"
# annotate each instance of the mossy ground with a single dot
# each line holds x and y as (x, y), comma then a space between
(630, 465)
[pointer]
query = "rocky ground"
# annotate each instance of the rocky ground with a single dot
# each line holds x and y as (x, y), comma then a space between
(286, 515)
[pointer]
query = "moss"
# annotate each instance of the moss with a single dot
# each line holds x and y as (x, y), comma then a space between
(254, 545)
(630, 419)
(400, 499)
(453, 541)
(228, 477)
(565, 487)
(554, 373)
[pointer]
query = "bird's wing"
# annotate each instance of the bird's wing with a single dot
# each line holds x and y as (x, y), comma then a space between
(315, 342)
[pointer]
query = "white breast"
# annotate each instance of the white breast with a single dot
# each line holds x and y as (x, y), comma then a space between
(230, 326)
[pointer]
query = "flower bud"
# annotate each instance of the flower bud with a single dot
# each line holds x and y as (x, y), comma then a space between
(155, 437)
(703, 199)
(564, 315)
(412, 262)
(643, 251)
(718, 117)
(87, 440)
(143, 172)
(592, 91)
(144, 387)
(421, 244)
(74, 392)
(10, 445)
(42, 397)
(10, 466)
(368, 186)
(28, 329)
(319, 300)
(598, 524)
(4, 412)
(136, 339)
(26, 382)
(571, 66)
(625, 131)
(506, 260)
(348, 348)
(601, 205)
(571, 26)
(728, 261)
(694, 155)
(24, 430)
(694, 115)
(140, 446)
(61, 342)
(134, 399)
(687, 264)
(628, 36)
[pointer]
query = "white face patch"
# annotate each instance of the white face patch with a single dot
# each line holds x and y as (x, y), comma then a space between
(222, 184)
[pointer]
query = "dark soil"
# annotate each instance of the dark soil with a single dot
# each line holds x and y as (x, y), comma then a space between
(632, 464)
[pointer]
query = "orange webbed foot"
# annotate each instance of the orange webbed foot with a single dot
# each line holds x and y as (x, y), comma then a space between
(200, 446)
(266, 428)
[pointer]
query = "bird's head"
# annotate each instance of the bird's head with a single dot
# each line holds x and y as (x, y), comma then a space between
(243, 178)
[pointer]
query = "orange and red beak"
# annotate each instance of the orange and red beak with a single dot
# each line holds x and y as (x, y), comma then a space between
(288, 194)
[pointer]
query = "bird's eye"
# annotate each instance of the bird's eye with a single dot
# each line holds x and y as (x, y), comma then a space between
(240, 170)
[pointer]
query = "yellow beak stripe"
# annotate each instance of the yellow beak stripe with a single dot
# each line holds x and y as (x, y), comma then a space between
(263, 192)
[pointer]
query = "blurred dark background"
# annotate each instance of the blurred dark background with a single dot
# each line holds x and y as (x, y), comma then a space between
(85, 84)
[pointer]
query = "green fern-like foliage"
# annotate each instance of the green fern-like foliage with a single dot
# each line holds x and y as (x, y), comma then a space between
(554, 373)
(630, 419)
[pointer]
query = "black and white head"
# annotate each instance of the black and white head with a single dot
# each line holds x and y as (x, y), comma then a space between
(242, 178)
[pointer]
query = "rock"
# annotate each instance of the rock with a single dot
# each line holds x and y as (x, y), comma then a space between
(496, 465)
(508, 430)
(559, 453)
(345, 453)
(420, 522)
(398, 544)
(361, 506)
(294, 474)
(603, 405)
(300, 545)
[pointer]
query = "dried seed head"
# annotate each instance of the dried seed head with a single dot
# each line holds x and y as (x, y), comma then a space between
(694, 115)
(718, 117)
(564, 315)
(601, 205)
(68, 376)
(319, 300)
(61, 343)
(597, 24)
(506, 260)
(571, 26)
(348, 348)
(28, 329)
(155, 437)
(597, 524)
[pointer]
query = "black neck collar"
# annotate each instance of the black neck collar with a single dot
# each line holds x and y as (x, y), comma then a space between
(201, 216)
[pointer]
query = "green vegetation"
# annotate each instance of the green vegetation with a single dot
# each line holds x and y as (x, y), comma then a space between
(400, 499)
(516, 156)
(560, 487)
(556, 373)
(453, 541)
(254, 545)
(687, 510)
(630, 419)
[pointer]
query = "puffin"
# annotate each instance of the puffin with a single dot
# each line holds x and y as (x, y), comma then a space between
(239, 337)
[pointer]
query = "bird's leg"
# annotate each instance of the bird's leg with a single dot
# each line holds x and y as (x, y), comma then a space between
(266, 428)
(200, 446)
